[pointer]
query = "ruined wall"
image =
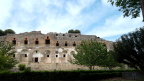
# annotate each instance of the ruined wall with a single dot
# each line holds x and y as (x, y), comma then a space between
(48, 51)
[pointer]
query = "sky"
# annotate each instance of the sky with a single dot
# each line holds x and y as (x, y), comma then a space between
(91, 17)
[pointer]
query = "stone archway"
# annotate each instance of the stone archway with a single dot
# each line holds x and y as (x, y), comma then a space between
(24, 54)
(47, 56)
(37, 56)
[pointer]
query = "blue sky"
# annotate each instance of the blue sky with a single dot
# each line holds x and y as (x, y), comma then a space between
(91, 17)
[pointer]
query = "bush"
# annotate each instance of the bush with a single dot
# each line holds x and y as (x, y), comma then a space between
(27, 69)
(21, 67)
(80, 75)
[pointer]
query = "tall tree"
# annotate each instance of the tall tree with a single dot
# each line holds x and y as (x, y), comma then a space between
(1, 33)
(6, 56)
(128, 7)
(130, 49)
(9, 31)
(71, 31)
(110, 61)
(90, 53)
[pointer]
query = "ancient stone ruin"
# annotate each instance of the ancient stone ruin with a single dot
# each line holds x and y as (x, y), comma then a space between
(49, 51)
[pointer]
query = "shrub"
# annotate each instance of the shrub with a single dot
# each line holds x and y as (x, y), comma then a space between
(21, 67)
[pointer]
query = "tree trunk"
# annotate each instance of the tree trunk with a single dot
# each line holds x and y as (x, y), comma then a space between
(110, 68)
(90, 67)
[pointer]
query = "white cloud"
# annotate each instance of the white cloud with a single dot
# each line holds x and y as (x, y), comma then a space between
(117, 25)
(5, 8)
(93, 16)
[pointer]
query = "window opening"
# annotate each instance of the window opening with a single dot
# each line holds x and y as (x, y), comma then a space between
(64, 55)
(63, 34)
(36, 51)
(36, 59)
(57, 44)
(25, 55)
(13, 55)
(25, 41)
(14, 41)
(47, 55)
(56, 34)
(56, 55)
(74, 44)
(66, 43)
(36, 42)
(47, 41)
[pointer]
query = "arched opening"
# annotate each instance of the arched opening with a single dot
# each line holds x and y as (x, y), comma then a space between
(26, 41)
(47, 53)
(66, 44)
(14, 41)
(74, 44)
(47, 41)
(57, 44)
(36, 41)
(64, 55)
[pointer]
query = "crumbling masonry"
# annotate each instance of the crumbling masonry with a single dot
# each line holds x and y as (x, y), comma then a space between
(49, 51)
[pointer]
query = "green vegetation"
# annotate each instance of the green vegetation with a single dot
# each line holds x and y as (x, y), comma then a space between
(6, 56)
(21, 67)
(79, 75)
(129, 49)
(93, 53)
(128, 7)
(74, 31)
(7, 31)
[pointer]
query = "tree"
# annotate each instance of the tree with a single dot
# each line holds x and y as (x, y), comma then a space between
(128, 7)
(77, 31)
(74, 31)
(71, 31)
(129, 49)
(1, 33)
(90, 53)
(6, 56)
(110, 61)
(9, 31)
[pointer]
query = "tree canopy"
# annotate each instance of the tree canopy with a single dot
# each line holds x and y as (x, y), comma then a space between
(129, 49)
(74, 31)
(6, 56)
(128, 7)
(91, 53)
(7, 31)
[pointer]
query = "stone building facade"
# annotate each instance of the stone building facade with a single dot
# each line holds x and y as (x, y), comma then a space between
(49, 51)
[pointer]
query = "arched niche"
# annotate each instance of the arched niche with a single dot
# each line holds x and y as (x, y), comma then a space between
(14, 41)
(47, 40)
(25, 41)
(37, 56)
(36, 41)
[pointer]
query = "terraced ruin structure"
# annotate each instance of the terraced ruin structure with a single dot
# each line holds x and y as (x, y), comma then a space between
(49, 51)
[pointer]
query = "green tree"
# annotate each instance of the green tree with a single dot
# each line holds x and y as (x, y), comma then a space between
(74, 31)
(129, 49)
(128, 7)
(1, 33)
(6, 56)
(9, 31)
(71, 31)
(110, 61)
(77, 31)
(90, 53)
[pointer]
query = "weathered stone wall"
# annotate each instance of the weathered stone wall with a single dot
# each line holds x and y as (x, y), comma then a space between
(44, 56)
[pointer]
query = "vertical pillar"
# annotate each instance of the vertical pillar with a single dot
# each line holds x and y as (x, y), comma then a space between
(142, 7)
